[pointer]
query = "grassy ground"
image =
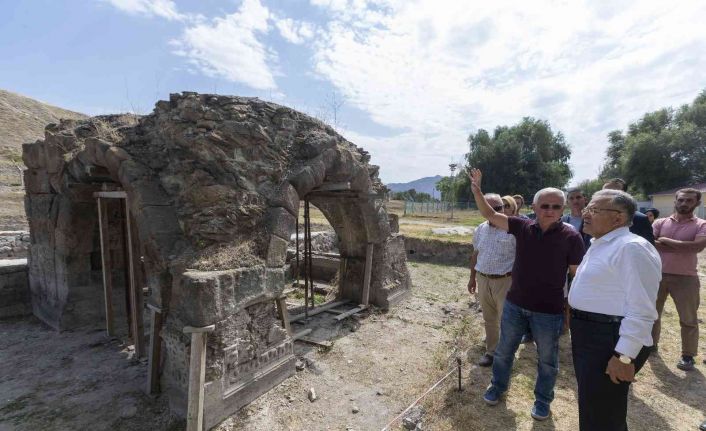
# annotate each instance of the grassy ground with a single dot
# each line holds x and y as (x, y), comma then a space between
(418, 225)
(663, 398)
(12, 209)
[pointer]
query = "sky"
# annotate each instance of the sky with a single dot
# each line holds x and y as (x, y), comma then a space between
(407, 80)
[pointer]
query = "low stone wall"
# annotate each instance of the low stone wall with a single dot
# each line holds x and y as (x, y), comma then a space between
(436, 251)
(14, 243)
(14, 288)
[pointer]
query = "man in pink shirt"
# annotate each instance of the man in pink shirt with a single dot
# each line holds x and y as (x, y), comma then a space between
(678, 238)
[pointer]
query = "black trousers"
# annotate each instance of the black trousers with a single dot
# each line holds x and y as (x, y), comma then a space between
(603, 405)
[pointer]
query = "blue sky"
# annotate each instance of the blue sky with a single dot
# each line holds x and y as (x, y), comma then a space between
(411, 78)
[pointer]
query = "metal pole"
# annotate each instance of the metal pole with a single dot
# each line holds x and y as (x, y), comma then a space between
(311, 264)
(306, 261)
(458, 362)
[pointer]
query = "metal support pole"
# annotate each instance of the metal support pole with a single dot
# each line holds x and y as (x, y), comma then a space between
(197, 376)
(458, 362)
(155, 353)
(310, 263)
(306, 261)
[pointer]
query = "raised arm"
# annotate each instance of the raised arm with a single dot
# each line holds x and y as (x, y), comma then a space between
(498, 219)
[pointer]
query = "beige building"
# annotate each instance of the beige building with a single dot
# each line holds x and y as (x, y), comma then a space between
(664, 200)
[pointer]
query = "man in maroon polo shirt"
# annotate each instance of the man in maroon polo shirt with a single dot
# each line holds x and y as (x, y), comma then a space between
(546, 250)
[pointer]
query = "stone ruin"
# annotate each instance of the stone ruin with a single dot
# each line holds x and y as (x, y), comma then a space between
(212, 188)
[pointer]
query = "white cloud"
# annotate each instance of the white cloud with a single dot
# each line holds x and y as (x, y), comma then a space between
(231, 47)
(161, 8)
(438, 71)
(294, 31)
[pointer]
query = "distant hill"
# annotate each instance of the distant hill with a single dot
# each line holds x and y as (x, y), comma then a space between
(424, 185)
(23, 120)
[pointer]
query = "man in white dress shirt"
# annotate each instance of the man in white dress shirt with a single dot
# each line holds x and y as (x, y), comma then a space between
(613, 309)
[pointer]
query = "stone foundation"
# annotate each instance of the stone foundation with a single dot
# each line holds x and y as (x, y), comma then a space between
(14, 288)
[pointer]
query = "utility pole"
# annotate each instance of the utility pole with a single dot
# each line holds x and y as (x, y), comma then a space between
(453, 166)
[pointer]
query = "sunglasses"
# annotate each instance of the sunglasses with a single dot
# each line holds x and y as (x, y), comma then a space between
(555, 207)
(498, 208)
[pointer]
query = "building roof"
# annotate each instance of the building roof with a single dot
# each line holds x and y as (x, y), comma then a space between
(701, 187)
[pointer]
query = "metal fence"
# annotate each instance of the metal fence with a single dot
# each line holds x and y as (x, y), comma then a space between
(436, 207)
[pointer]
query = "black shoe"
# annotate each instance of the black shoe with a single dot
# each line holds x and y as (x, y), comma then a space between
(686, 363)
(702, 427)
(485, 360)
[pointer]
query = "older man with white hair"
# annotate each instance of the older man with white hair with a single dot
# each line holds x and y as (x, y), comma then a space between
(546, 249)
(613, 309)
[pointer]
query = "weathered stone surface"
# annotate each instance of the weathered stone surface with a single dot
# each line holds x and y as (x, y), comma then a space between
(37, 181)
(280, 222)
(276, 251)
(14, 288)
(213, 186)
(33, 155)
(394, 222)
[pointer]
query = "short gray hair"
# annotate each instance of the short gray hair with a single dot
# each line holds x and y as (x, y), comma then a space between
(620, 199)
(549, 191)
(492, 196)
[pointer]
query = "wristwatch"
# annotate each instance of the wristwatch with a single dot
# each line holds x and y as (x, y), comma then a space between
(623, 358)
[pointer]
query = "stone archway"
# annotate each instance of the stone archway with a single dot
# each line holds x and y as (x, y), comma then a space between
(214, 185)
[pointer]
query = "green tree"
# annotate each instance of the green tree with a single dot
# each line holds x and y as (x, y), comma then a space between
(520, 159)
(664, 149)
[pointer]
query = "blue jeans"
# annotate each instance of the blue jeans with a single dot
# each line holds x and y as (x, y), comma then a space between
(546, 329)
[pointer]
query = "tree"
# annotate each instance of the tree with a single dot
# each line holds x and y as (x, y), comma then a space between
(520, 159)
(664, 149)
(412, 195)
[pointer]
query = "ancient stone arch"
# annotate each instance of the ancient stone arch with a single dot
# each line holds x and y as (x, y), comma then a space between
(214, 185)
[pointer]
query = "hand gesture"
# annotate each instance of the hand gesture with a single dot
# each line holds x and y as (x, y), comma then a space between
(475, 175)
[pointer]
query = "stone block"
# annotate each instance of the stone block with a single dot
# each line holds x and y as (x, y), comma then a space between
(114, 157)
(33, 155)
(304, 181)
(149, 193)
(282, 195)
(130, 172)
(318, 171)
(37, 181)
(280, 222)
(394, 220)
(54, 158)
(276, 251)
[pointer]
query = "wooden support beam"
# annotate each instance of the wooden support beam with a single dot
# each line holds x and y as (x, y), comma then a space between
(106, 264)
(349, 313)
(321, 343)
(319, 309)
(118, 194)
(133, 261)
(301, 333)
(283, 314)
(368, 273)
(197, 376)
(332, 187)
(336, 311)
(155, 354)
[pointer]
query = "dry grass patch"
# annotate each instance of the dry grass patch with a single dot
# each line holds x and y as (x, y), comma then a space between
(12, 210)
(663, 398)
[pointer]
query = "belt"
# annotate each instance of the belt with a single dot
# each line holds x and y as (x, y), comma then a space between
(595, 317)
(494, 275)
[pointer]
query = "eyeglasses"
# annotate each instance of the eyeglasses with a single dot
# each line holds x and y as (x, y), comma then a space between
(506, 206)
(555, 207)
(498, 208)
(596, 210)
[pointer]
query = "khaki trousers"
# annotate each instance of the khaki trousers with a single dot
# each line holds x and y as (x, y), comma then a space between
(491, 294)
(684, 290)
